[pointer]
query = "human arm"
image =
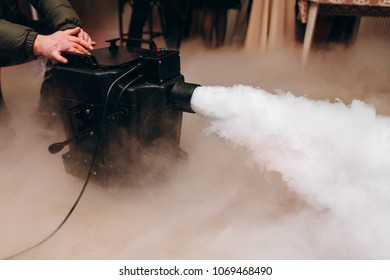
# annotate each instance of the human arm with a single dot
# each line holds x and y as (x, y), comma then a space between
(62, 18)
(61, 15)
(23, 43)
(53, 45)
(16, 40)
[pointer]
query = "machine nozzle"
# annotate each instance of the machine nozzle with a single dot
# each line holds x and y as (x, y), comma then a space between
(180, 97)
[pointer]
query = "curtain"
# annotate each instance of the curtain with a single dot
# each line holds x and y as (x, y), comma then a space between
(271, 24)
(237, 24)
(375, 31)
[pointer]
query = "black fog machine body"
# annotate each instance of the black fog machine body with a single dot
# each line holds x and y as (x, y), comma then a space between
(117, 105)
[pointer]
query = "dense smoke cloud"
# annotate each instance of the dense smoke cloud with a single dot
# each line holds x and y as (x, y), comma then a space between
(332, 155)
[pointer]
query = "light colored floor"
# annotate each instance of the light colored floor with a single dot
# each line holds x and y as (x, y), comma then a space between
(218, 206)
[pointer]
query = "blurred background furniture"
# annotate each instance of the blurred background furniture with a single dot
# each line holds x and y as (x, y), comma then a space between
(150, 5)
(377, 8)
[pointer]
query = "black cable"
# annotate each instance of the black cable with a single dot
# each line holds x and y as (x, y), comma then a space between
(88, 176)
(65, 219)
(124, 89)
(135, 67)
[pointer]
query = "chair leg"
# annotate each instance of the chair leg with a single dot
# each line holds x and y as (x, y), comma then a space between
(2, 104)
(161, 15)
(123, 34)
(160, 9)
(184, 17)
(311, 22)
(120, 16)
(355, 31)
(150, 22)
(7, 133)
(4, 114)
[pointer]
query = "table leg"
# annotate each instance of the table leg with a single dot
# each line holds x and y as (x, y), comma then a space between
(311, 22)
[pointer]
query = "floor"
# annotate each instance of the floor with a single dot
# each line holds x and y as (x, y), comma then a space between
(216, 206)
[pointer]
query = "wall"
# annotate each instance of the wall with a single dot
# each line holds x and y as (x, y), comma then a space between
(100, 18)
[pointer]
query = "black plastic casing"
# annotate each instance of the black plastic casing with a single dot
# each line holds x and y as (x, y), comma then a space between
(121, 101)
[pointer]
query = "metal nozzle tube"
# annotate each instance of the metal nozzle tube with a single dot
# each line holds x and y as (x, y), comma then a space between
(180, 97)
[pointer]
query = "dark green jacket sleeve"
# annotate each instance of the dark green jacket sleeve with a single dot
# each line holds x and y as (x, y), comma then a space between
(16, 40)
(58, 12)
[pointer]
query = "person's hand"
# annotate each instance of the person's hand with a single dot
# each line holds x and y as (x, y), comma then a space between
(85, 36)
(51, 46)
